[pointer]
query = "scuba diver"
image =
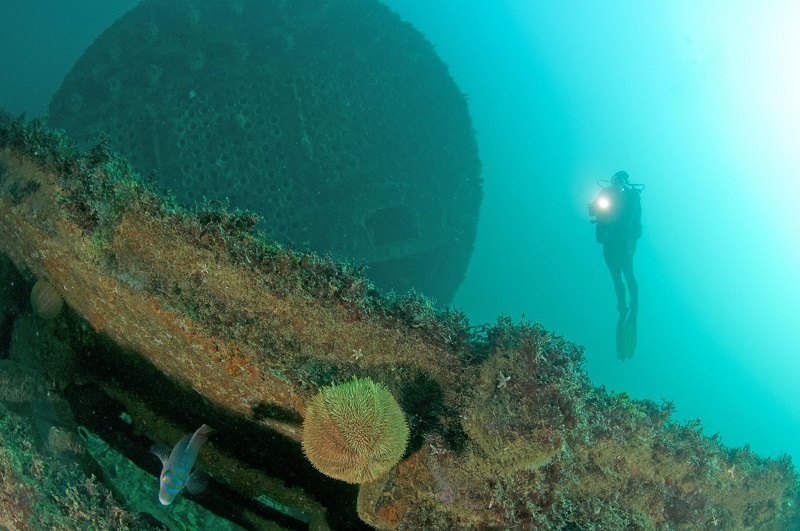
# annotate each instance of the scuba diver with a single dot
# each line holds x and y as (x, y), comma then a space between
(618, 218)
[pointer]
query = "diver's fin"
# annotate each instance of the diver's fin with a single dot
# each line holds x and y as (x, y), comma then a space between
(629, 333)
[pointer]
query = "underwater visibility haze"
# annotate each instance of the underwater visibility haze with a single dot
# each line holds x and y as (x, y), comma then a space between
(696, 101)
(699, 103)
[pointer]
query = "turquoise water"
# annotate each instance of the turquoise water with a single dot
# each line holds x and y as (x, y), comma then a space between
(698, 103)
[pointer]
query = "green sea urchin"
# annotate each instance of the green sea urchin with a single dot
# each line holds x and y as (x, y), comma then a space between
(354, 431)
(46, 301)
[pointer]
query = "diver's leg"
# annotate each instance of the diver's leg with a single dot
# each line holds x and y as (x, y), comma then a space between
(633, 289)
(615, 268)
(626, 334)
(630, 279)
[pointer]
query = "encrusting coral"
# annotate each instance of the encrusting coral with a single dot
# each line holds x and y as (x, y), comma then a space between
(178, 313)
(40, 490)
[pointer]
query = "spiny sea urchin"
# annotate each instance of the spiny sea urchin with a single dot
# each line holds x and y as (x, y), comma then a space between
(354, 431)
(46, 301)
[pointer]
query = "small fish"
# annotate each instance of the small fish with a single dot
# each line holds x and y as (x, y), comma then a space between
(177, 471)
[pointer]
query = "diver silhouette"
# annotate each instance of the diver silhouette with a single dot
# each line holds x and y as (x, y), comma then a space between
(618, 218)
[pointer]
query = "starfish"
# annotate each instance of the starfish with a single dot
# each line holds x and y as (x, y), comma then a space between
(437, 450)
(502, 380)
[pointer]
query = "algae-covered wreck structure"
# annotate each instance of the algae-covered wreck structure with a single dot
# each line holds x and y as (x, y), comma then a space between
(174, 318)
(337, 122)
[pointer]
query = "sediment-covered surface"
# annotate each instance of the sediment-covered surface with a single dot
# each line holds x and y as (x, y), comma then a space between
(175, 318)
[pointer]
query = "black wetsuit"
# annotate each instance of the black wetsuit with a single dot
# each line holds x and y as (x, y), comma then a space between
(618, 228)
